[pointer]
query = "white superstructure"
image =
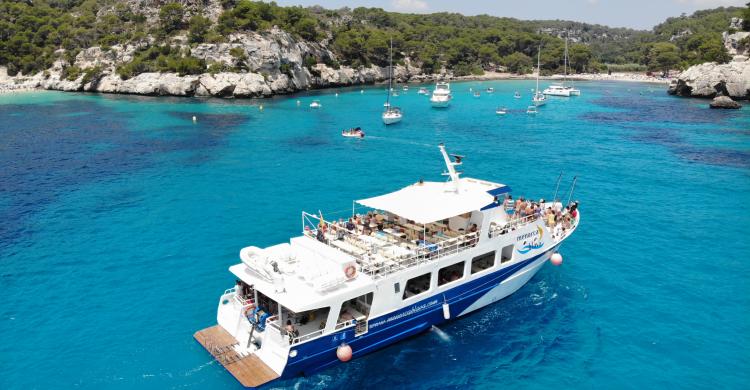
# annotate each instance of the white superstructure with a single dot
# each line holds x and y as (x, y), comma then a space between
(441, 95)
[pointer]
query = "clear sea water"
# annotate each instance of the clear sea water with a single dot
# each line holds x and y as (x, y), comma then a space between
(119, 218)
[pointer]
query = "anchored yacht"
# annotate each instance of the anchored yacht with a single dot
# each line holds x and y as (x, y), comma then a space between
(441, 95)
(343, 288)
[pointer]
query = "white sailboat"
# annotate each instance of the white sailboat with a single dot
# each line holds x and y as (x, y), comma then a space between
(538, 99)
(563, 90)
(391, 114)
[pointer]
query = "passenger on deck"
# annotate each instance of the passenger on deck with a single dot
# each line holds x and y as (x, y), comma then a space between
(291, 330)
(508, 205)
(350, 224)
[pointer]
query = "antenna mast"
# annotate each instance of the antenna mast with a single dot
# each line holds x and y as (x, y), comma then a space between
(451, 165)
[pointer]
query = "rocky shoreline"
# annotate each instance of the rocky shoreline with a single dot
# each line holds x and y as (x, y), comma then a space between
(253, 85)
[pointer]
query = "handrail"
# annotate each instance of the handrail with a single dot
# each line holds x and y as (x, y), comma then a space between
(308, 336)
(346, 323)
(426, 253)
(499, 230)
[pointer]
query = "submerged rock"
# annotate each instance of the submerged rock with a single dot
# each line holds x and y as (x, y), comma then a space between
(724, 102)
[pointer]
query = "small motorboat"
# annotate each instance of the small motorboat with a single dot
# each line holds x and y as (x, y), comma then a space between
(386, 104)
(501, 111)
(316, 104)
(517, 95)
(423, 91)
(477, 94)
(531, 110)
(490, 90)
(405, 88)
(353, 133)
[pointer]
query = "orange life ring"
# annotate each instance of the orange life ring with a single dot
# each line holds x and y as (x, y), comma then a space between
(350, 271)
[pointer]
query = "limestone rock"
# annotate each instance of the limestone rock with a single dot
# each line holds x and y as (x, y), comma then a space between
(724, 102)
(711, 79)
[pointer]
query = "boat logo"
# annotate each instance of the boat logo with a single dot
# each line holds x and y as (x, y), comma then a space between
(536, 242)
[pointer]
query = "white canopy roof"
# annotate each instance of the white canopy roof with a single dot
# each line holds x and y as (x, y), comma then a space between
(433, 201)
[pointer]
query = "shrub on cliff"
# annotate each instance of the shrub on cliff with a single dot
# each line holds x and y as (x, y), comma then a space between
(170, 17)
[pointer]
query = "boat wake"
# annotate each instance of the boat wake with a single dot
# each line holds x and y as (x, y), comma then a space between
(443, 336)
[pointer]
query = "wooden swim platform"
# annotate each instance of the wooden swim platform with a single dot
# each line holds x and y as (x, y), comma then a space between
(249, 370)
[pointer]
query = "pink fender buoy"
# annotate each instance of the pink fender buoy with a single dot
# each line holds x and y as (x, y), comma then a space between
(556, 259)
(344, 352)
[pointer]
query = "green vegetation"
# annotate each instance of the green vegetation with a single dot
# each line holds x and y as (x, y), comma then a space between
(35, 34)
(163, 58)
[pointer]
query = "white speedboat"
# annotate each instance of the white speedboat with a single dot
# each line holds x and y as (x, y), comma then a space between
(423, 91)
(441, 95)
(501, 111)
(391, 114)
(316, 104)
(405, 88)
(531, 110)
(353, 133)
(517, 95)
(477, 94)
(490, 90)
(429, 253)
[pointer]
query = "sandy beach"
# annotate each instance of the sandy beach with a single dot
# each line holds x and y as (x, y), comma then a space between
(621, 76)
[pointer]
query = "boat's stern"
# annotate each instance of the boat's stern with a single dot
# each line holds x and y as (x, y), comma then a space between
(241, 346)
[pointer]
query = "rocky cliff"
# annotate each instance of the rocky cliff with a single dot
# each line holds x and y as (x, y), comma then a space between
(274, 65)
(711, 79)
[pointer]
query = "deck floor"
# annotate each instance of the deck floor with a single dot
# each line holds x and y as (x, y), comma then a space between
(248, 370)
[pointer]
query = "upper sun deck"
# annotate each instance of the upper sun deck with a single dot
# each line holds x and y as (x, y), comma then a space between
(416, 224)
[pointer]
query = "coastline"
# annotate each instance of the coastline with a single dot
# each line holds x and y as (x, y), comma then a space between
(9, 85)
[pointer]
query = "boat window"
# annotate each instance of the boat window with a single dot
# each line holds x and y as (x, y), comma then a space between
(304, 325)
(354, 309)
(451, 273)
(396, 287)
(482, 262)
(507, 254)
(416, 286)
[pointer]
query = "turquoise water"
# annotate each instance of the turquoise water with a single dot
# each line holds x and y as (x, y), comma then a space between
(119, 218)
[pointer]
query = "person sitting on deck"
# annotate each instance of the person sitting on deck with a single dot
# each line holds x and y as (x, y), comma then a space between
(350, 225)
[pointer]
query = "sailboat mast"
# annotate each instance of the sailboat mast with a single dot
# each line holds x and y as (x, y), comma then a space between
(538, 67)
(565, 62)
(390, 74)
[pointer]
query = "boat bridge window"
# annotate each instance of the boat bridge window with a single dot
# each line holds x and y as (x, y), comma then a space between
(416, 286)
(482, 262)
(451, 273)
(507, 253)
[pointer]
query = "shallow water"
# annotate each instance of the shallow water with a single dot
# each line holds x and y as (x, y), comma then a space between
(119, 218)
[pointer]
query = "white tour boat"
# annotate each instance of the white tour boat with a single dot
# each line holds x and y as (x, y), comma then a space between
(391, 114)
(441, 95)
(422, 255)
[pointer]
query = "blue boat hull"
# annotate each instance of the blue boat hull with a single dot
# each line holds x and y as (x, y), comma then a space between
(390, 328)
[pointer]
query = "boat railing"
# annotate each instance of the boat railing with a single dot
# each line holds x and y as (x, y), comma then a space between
(513, 224)
(306, 337)
(425, 254)
(345, 324)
